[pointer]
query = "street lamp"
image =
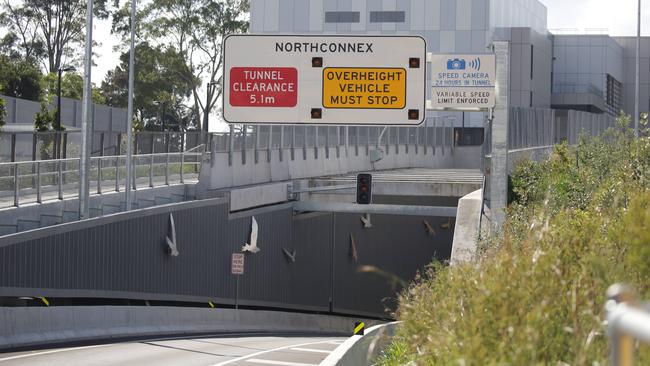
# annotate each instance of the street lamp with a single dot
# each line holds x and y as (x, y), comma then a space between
(57, 127)
(207, 106)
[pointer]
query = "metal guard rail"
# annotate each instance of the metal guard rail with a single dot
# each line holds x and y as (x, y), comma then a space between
(626, 321)
(98, 165)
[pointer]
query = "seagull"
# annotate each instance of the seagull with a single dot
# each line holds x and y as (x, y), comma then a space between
(291, 255)
(366, 221)
(172, 248)
(353, 249)
(428, 228)
(252, 247)
(446, 225)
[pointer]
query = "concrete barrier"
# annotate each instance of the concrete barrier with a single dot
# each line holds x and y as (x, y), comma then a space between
(466, 233)
(362, 350)
(36, 326)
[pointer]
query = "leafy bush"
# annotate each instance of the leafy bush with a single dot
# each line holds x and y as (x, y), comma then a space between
(579, 223)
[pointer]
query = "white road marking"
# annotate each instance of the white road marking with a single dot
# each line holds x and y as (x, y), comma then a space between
(284, 363)
(338, 343)
(267, 351)
(311, 350)
(48, 352)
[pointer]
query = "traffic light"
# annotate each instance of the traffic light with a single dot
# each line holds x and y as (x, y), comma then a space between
(364, 189)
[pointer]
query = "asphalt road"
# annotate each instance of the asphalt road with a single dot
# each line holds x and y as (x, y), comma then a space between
(249, 351)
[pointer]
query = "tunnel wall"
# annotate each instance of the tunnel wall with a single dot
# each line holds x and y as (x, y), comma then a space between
(123, 256)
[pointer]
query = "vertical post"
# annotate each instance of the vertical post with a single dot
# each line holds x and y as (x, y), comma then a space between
(16, 185)
(167, 143)
(269, 150)
(293, 142)
(153, 150)
(327, 142)
(435, 135)
(347, 141)
(499, 163)
(38, 182)
(638, 75)
(86, 120)
(65, 145)
(13, 147)
(237, 293)
(316, 142)
(99, 163)
(281, 143)
(231, 143)
(129, 115)
(367, 140)
(182, 156)
(305, 129)
(426, 138)
(356, 141)
(60, 179)
(256, 130)
(338, 142)
(244, 132)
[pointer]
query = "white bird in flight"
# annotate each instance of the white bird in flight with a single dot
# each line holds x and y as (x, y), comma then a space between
(252, 246)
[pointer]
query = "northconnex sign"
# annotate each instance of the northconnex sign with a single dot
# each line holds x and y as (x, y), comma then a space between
(294, 79)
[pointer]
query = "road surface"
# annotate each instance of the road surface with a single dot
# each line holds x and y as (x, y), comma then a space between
(234, 351)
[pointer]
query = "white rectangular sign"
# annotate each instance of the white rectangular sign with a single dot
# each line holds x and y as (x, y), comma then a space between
(463, 82)
(324, 79)
(237, 264)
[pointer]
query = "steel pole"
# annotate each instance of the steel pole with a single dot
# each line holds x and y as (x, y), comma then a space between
(638, 70)
(86, 120)
(129, 116)
(57, 146)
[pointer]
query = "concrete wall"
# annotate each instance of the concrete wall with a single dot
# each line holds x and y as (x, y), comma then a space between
(107, 119)
(312, 162)
(34, 326)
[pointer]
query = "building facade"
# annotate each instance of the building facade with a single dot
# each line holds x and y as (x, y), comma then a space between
(592, 73)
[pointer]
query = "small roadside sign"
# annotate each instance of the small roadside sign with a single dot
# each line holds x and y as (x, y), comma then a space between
(463, 82)
(325, 79)
(237, 264)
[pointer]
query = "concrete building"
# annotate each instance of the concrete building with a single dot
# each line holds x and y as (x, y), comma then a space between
(593, 73)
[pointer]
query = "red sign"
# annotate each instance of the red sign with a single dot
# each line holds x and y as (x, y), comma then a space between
(263, 87)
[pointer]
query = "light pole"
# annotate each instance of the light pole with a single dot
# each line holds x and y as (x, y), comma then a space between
(129, 115)
(638, 67)
(206, 118)
(57, 126)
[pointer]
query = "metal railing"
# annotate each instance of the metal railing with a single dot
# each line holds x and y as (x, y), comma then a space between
(41, 180)
(627, 320)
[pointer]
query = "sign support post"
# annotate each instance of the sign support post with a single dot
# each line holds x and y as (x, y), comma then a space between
(237, 269)
(499, 131)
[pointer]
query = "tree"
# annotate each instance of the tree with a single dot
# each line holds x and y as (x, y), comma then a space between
(19, 79)
(71, 87)
(3, 113)
(195, 29)
(159, 92)
(48, 31)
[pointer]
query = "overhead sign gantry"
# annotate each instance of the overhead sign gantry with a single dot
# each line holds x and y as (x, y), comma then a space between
(294, 79)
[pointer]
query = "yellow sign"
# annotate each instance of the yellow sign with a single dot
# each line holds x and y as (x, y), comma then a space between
(364, 88)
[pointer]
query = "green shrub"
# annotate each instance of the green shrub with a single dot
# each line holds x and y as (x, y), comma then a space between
(578, 223)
